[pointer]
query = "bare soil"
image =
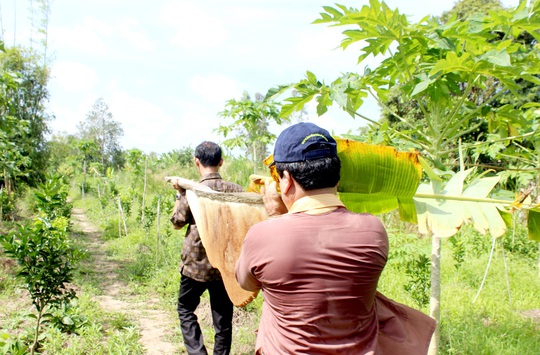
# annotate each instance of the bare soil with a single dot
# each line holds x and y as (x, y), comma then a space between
(154, 324)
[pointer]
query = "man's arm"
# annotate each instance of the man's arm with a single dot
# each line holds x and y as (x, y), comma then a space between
(181, 215)
(242, 271)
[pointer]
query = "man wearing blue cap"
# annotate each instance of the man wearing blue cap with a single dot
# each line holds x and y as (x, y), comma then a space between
(318, 264)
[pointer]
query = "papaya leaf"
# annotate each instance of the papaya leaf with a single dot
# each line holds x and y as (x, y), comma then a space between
(424, 83)
(499, 57)
(485, 216)
(441, 217)
(442, 213)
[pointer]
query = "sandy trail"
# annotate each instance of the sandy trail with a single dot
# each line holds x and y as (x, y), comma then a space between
(153, 323)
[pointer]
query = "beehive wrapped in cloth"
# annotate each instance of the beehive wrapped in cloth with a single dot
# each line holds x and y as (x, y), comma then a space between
(223, 220)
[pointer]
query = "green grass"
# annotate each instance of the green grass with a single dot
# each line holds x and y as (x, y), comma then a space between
(497, 322)
(500, 321)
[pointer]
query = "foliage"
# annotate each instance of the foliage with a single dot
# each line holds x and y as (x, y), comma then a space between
(251, 119)
(237, 169)
(458, 250)
(45, 258)
(7, 205)
(176, 158)
(51, 198)
(135, 161)
(66, 319)
(25, 104)
(44, 253)
(100, 128)
(12, 346)
(12, 129)
(443, 209)
(63, 149)
(409, 256)
(464, 9)
(436, 67)
(418, 285)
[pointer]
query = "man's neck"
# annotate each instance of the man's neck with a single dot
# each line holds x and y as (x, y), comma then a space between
(297, 192)
(327, 190)
(205, 170)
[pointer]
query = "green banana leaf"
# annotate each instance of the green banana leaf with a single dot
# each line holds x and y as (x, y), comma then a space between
(378, 179)
(533, 224)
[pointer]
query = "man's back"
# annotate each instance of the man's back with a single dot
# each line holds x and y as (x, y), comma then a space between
(216, 183)
(319, 276)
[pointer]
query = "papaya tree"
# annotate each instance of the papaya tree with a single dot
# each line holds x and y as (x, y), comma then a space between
(439, 66)
(249, 129)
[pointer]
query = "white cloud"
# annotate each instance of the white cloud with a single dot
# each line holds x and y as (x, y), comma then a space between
(73, 76)
(129, 29)
(81, 38)
(335, 120)
(196, 124)
(194, 28)
(146, 126)
(149, 128)
(69, 116)
(318, 43)
(94, 36)
(215, 88)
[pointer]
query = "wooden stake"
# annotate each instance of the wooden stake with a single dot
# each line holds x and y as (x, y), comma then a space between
(122, 215)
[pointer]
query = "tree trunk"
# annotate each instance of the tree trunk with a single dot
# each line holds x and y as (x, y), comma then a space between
(7, 183)
(35, 343)
(1, 204)
(435, 297)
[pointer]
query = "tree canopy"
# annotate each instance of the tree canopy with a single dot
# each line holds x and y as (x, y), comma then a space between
(100, 128)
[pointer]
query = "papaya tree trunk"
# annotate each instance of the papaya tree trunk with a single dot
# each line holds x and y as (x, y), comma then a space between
(435, 296)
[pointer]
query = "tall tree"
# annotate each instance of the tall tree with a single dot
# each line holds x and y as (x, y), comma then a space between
(100, 127)
(24, 96)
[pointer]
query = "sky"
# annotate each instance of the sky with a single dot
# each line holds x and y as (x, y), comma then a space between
(166, 68)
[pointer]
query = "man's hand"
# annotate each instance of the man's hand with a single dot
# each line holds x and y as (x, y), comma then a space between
(177, 187)
(272, 200)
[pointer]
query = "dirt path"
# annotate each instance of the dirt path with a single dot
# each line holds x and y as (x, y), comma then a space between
(153, 323)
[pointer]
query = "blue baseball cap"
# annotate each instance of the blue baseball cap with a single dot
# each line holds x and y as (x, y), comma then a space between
(304, 141)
